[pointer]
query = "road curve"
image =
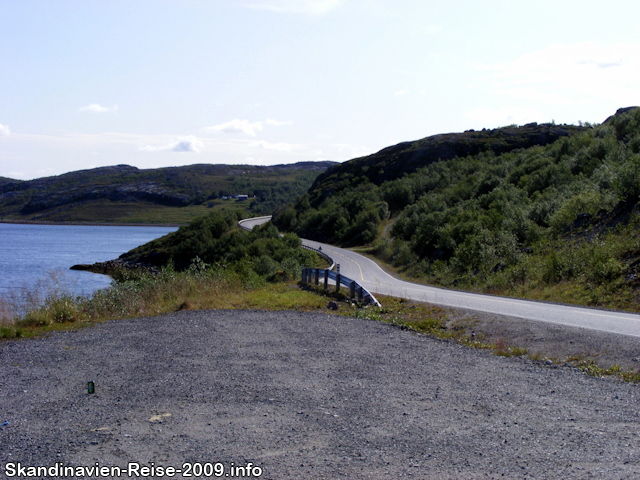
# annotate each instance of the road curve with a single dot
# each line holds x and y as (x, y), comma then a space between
(249, 223)
(369, 274)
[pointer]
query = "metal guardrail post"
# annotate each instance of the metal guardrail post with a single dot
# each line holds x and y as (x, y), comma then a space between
(355, 289)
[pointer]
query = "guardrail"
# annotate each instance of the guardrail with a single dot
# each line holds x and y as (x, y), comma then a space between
(307, 273)
(363, 295)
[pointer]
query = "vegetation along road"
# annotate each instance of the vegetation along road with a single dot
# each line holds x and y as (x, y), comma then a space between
(369, 274)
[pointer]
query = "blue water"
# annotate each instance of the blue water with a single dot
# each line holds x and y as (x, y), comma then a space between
(42, 254)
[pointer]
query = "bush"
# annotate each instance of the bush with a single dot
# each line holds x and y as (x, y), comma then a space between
(589, 201)
(265, 265)
(626, 181)
(62, 309)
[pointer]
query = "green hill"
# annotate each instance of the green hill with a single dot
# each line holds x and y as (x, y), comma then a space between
(125, 194)
(214, 246)
(405, 158)
(544, 211)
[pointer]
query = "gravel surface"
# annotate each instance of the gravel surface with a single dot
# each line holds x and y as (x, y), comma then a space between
(560, 343)
(306, 396)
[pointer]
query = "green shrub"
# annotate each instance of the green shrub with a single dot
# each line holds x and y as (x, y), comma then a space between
(62, 309)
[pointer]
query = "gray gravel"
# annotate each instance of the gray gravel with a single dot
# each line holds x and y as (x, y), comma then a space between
(307, 396)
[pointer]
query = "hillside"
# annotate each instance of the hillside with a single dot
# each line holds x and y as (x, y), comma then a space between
(347, 202)
(125, 194)
(543, 211)
(406, 158)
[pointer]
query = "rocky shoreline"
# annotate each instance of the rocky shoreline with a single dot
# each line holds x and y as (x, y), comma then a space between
(115, 267)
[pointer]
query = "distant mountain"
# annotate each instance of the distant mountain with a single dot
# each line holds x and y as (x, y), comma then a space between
(123, 193)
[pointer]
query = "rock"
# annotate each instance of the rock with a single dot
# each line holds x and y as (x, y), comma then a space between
(620, 111)
(332, 305)
(81, 266)
(117, 268)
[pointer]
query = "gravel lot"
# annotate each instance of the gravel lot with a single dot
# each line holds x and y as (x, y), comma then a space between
(306, 396)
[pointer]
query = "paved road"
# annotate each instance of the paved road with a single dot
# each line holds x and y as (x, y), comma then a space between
(373, 278)
(249, 223)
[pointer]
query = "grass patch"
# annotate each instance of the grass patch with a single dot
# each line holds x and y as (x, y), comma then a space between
(148, 295)
(107, 211)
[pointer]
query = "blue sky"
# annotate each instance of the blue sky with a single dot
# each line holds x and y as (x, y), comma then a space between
(155, 83)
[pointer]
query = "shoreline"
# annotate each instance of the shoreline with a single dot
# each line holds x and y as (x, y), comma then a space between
(92, 224)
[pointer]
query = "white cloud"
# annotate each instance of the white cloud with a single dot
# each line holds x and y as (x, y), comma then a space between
(4, 130)
(504, 116)
(276, 123)
(563, 74)
(97, 108)
(183, 145)
(237, 126)
(313, 7)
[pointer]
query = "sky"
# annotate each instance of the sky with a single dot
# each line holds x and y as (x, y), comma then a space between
(157, 83)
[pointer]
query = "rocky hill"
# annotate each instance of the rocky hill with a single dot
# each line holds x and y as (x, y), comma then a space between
(100, 194)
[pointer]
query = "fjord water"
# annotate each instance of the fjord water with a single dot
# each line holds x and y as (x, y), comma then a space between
(33, 254)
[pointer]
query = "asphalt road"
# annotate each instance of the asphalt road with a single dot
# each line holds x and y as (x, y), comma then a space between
(373, 278)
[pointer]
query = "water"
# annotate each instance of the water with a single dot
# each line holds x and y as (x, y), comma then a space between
(31, 254)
